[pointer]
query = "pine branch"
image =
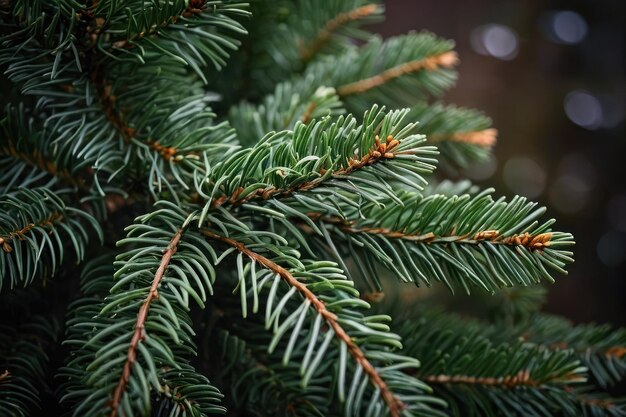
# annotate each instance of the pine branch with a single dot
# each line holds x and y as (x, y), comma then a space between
(399, 72)
(484, 379)
(462, 241)
(33, 226)
(140, 333)
(139, 341)
(431, 63)
(393, 403)
(283, 164)
(601, 348)
(288, 315)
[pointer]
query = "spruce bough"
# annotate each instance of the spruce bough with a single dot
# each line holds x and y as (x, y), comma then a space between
(279, 163)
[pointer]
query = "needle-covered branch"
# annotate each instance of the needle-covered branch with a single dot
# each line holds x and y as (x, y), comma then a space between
(139, 340)
(463, 241)
(342, 155)
(316, 294)
(35, 228)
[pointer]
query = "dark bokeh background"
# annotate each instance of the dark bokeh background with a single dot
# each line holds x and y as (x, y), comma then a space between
(551, 75)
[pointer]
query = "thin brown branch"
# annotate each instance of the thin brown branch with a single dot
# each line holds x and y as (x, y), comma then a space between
(324, 35)
(21, 233)
(532, 242)
(194, 8)
(522, 378)
(116, 117)
(394, 404)
(484, 138)
(443, 60)
(38, 160)
(380, 151)
(139, 333)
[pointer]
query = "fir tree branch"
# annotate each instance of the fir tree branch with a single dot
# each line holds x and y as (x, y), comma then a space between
(139, 333)
(20, 234)
(444, 60)
(528, 240)
(395, 406)
(37, 160)
(307, 52)
(379, 152)
(521, 379)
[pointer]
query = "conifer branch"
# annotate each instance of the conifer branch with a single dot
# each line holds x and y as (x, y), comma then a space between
(521, 379)
(380, 151)
(395, 406)
(323, 36)
(38, 160)
(139, 333)
(116, 117)
(21, 233)
(444, 60)
(528, 240)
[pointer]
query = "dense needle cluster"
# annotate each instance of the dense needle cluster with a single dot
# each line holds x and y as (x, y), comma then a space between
(214, 207)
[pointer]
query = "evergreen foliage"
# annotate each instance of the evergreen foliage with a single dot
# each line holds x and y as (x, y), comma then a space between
(212, 196)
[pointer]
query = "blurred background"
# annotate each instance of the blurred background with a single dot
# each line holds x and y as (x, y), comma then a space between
(551, 75)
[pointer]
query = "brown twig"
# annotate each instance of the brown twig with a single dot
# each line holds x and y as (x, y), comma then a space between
(21, 233)
(307, 52)
(139, 334)
(443, 60)
(522, 378)
(532, 242)
(394, 404)
(37, 160)
(380, 151)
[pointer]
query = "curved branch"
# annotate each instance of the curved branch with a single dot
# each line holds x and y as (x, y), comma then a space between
(444, 60)
(394, 404)
(139, 334)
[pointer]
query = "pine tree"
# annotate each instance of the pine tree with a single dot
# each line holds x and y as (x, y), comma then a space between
(204, 202)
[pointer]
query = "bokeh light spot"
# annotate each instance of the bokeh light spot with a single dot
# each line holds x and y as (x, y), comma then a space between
(499, 41)
(568, 27)
(584, 109)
